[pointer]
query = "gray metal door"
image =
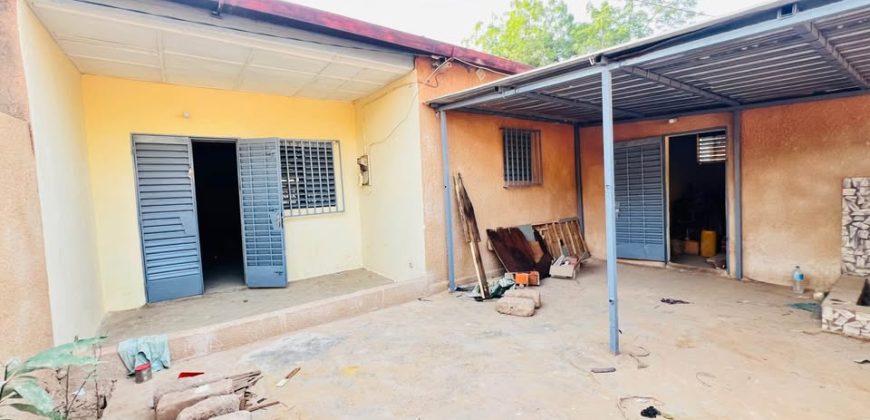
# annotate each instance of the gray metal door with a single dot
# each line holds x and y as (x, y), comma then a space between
(640, 199)
(167, 217)
(262, 204)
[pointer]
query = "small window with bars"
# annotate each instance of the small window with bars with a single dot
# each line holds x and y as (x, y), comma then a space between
(712, 147)
(311, 177)
(522, 157)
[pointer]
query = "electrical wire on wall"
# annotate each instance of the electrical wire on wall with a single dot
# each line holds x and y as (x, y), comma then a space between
(413, 101)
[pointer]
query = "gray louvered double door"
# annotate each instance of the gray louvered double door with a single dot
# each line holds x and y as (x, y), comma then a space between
(640, 199)
(166, 193)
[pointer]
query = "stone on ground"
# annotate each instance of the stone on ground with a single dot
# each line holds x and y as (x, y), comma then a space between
(211, 407)
(533, 294)
(171, 404)
(516, 306)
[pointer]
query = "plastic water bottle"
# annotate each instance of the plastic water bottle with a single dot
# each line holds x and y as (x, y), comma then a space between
(798, 277)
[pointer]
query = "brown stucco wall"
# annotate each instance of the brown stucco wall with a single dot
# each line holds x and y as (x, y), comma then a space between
(24, 310)
(794, 160)
(476, 152)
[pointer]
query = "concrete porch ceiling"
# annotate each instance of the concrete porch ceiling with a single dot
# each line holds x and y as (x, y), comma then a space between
(171, 43)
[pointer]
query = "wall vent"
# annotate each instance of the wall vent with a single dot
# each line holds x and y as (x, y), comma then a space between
(712, 148)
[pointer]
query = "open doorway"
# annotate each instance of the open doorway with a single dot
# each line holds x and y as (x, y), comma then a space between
(696, 199)
(218, 213)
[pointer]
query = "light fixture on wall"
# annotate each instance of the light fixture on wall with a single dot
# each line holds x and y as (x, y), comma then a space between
(673, 120)
(363, 162)
(185, 115)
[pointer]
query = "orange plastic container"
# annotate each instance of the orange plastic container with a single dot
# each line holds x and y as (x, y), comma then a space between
(708, 243)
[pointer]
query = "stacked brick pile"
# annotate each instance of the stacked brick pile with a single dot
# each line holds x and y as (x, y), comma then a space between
(206, 397)
(856, 226)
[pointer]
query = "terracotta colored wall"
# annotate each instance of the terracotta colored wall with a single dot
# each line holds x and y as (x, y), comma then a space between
(794, 160)
(25, 310)
(476, 152)
(592, 164)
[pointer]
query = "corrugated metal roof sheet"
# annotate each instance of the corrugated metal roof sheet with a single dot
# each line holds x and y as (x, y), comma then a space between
(753, 57)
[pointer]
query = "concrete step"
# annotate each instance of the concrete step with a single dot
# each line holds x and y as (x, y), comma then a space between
(227, 335)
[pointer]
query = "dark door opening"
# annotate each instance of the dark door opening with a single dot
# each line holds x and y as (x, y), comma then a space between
(696, 190)
(217, 202)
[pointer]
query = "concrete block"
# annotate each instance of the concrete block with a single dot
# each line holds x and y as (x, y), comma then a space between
(171, 404)
(853, 331)
(516, 306)
(533, 294)
(238, 415)
(211, 407)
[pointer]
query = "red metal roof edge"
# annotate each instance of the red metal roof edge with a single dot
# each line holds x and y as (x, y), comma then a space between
(361, 30)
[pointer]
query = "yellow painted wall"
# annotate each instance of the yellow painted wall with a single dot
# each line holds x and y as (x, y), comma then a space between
(57, 123)
(388, 124)
(117, 108)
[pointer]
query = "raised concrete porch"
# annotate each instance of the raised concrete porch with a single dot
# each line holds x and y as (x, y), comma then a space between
(229, 318)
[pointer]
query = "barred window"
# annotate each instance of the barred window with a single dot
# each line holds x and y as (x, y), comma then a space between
(311, 177)
(522, 157)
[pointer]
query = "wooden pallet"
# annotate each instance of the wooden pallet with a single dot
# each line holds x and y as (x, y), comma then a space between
(563, 237)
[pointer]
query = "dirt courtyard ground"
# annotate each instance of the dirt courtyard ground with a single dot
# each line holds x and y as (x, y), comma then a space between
(737, 351)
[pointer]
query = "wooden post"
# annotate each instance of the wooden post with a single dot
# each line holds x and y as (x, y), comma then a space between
(472, 233)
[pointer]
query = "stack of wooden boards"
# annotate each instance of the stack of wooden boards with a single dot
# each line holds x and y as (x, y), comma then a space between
(528, 250)
(553, 249)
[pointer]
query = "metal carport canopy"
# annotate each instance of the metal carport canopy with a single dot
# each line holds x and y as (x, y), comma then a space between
(780, 52)
(758, 57)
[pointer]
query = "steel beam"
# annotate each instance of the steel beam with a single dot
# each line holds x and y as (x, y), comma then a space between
(448, 203)
(676, 84)
(736, 127)
(578, 179)
(754, 105)
(610, 206)
(520, 115)
(577, 103)
(531, 87)
(810, 33)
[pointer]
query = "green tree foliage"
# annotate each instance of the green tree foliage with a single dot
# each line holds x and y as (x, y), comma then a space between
(540, 32)
(534, 31)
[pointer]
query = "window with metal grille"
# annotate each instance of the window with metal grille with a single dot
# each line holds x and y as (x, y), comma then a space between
(712, 147)
(311, 177)
(522, 157)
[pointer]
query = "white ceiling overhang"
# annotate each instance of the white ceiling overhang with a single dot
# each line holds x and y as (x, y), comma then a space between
(158, 41)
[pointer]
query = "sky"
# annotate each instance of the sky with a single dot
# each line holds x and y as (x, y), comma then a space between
(453, 20)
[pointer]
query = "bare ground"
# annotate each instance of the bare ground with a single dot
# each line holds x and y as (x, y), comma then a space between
(737, 351)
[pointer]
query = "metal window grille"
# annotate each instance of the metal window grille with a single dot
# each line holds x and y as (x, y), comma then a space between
(712, 147)
(311, 177)
(522, 157)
